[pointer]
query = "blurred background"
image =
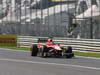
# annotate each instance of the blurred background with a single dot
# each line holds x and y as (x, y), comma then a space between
(51, 18)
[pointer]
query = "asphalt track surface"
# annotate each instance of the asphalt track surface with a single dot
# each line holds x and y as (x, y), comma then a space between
(21, 63)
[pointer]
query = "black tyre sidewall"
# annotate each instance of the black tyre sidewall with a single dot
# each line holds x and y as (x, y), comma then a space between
(34, 50)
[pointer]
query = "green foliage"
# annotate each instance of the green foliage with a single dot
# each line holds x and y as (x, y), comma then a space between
(8, 40)
(8, 36)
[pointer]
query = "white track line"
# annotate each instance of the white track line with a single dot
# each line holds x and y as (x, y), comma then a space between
(47, 63)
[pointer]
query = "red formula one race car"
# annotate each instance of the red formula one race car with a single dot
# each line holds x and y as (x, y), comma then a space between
(47, 48)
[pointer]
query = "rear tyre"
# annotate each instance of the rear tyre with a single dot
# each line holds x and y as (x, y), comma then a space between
(34, 50)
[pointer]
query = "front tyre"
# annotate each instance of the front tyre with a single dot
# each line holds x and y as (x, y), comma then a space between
(69, 55)
(34, 50)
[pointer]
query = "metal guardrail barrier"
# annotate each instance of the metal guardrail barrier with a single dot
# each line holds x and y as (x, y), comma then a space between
(77, 44)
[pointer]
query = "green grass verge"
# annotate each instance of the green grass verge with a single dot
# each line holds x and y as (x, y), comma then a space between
(15, 48)
(87, 54)
(77, 53)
